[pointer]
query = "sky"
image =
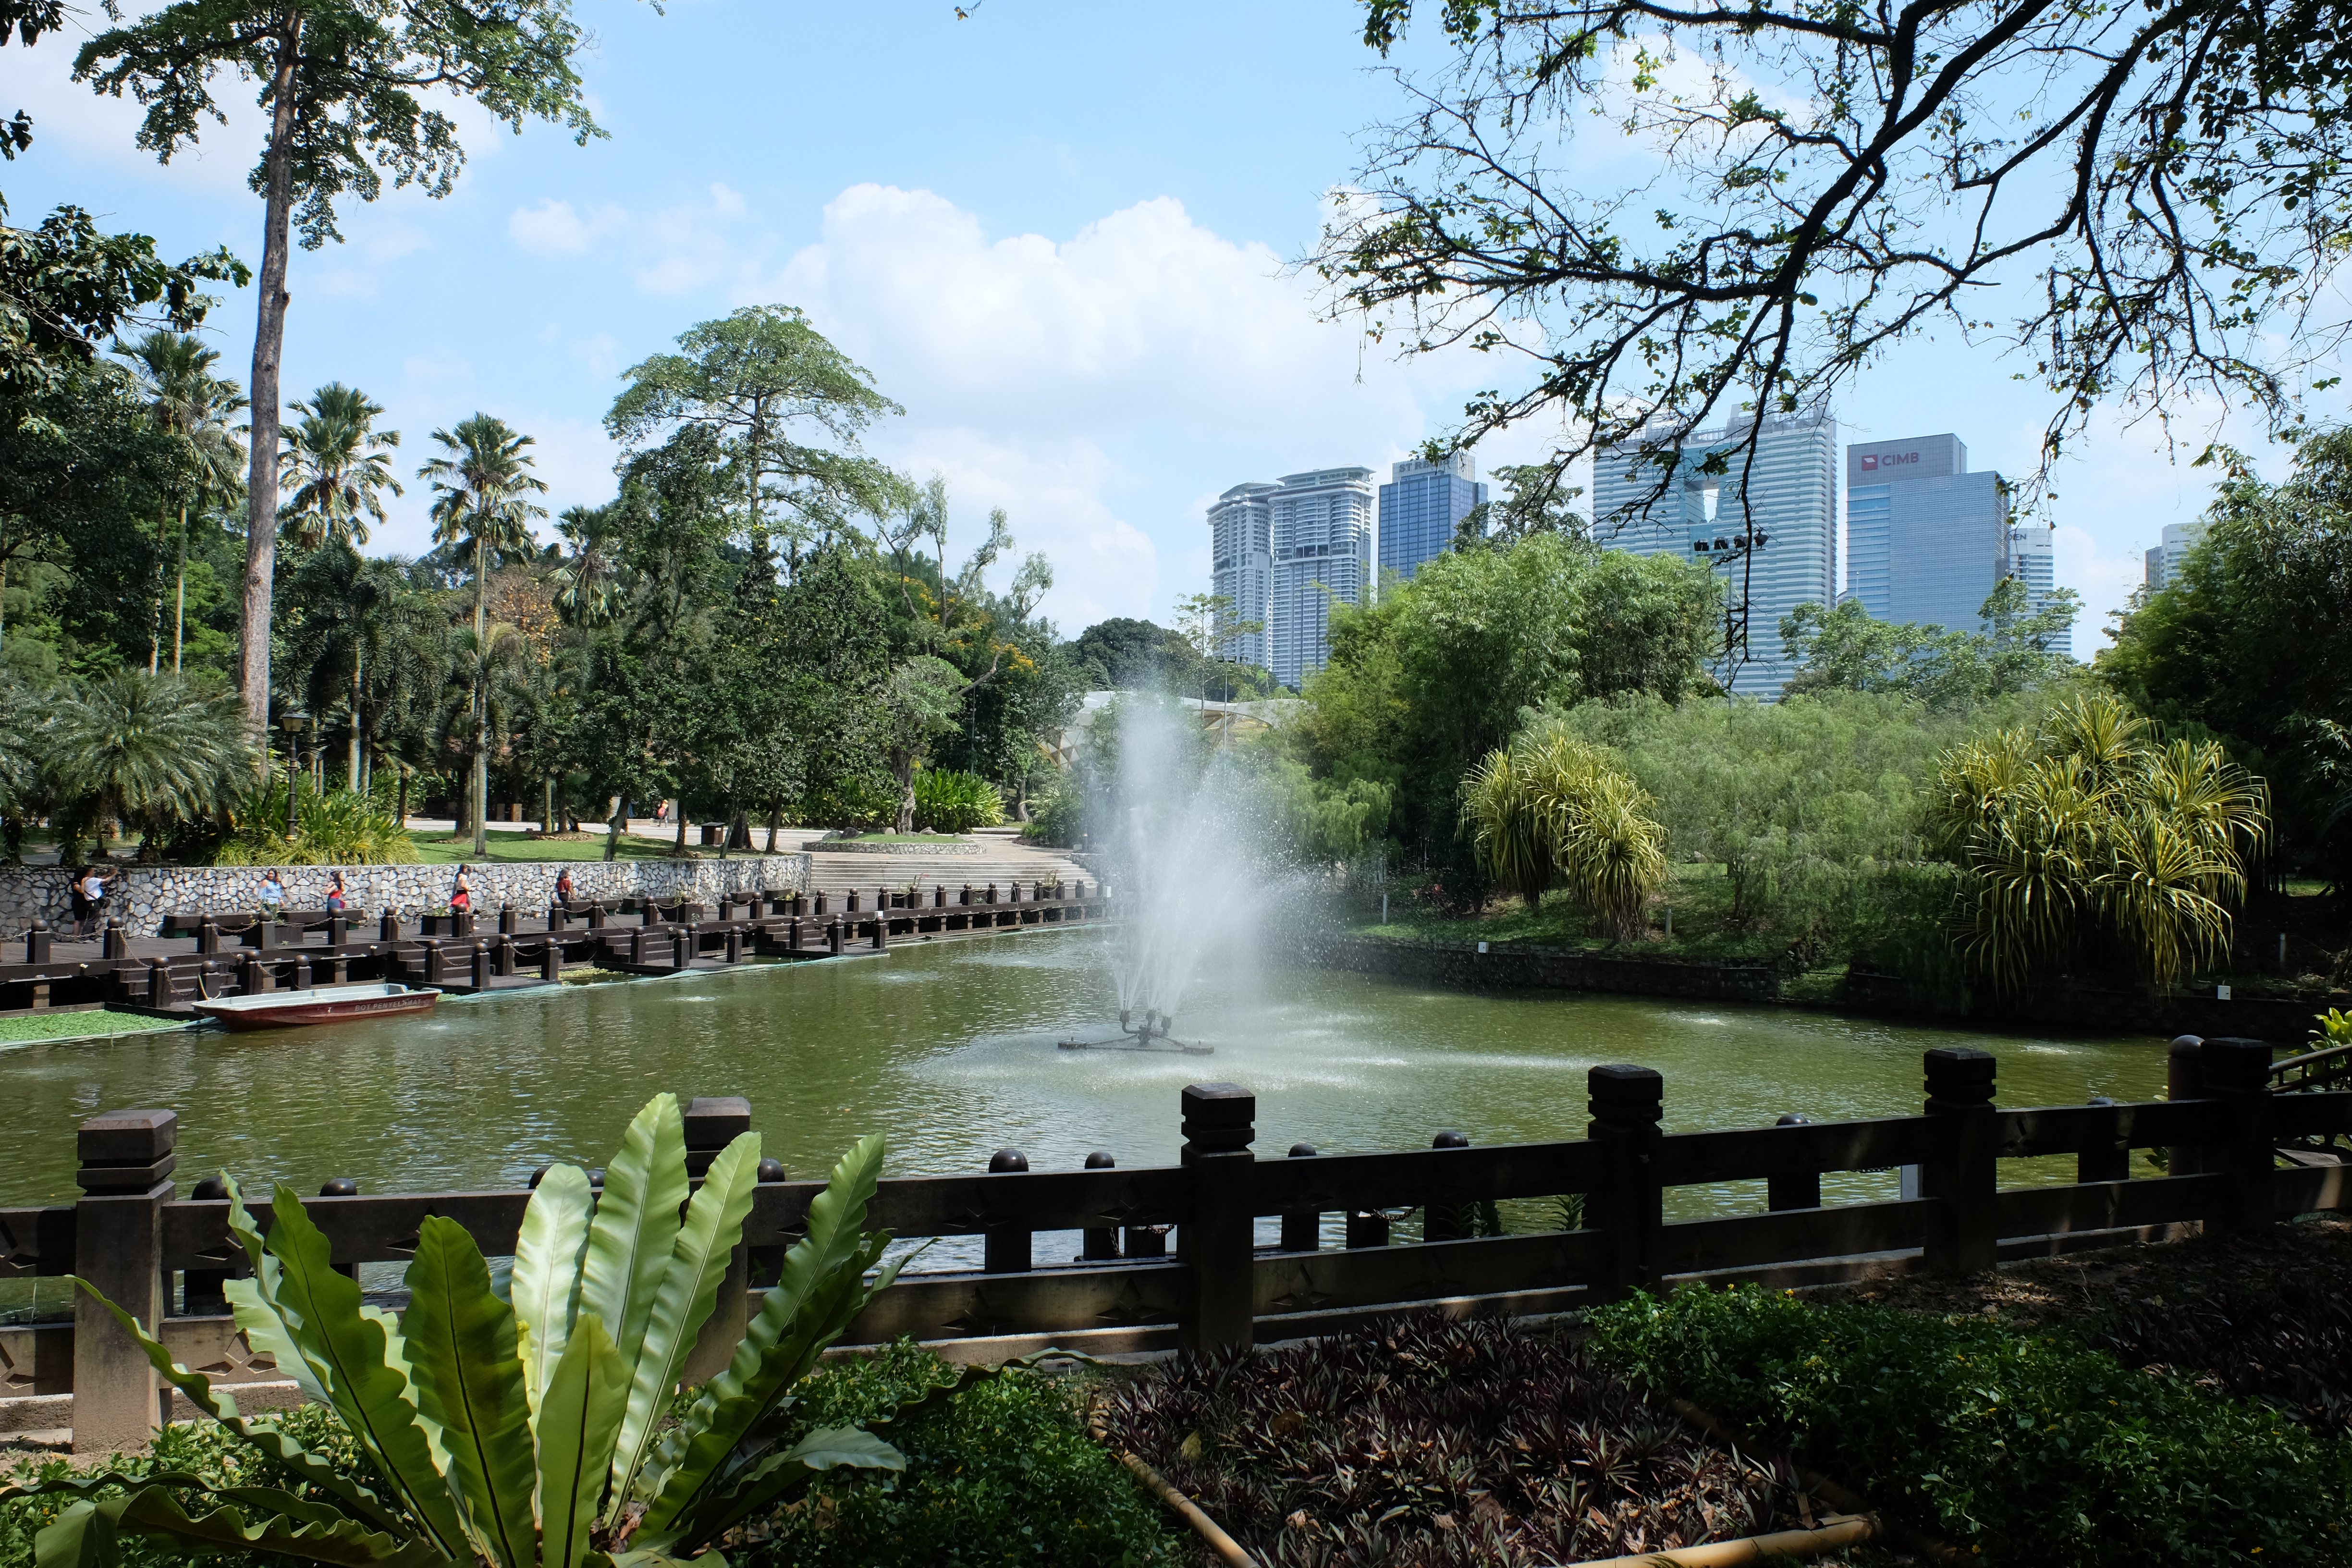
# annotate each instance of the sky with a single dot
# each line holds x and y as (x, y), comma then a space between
(1063, 236)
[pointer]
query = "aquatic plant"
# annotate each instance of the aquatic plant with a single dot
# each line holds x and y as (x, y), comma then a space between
(1422, 1440)
(532, 1430)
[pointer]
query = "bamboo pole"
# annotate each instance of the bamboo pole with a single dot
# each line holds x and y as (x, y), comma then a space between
(1831, 1535)
(1223, 1545)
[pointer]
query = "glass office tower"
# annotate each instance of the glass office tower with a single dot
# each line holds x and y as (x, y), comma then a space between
(1422, 506)
(1240, 546)
(1791, 495)
(1926, 538)
(1326, 540)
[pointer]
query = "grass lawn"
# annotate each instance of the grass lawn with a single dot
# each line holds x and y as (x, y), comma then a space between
(67, 1025)
(450, 849)
(1699, 896)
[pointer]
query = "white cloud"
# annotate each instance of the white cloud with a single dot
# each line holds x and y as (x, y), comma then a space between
(555, 228)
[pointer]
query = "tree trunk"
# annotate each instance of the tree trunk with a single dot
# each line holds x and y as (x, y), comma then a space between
(180, 596)
(403, 800)
(618, 826)
(268, 348)
(351, 778)
(680, 851)
(907, 795)
(775, 820)
(481, 706)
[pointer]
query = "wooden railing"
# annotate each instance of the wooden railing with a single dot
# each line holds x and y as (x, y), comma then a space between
(166, 1257)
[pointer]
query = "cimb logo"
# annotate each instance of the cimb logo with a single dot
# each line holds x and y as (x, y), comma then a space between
(1872, 460)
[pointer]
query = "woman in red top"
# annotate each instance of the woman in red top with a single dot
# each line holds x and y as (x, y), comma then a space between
(461, 896)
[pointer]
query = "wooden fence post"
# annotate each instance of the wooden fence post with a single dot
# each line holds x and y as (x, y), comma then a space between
(1792, 1189)
(1220, 1124)
(711, 1124)
(2182, 1081)
(1004, 1250)
(2237, 1074)
(1626, 1104)
(1101, 1241)
(127, 1160)
(1445, 1222)
(551, 959)
(1302, 1229)
(1960, 1169)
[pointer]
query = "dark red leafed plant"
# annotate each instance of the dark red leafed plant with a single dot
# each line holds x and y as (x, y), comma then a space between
(2292, 1350)
(1419, 1442)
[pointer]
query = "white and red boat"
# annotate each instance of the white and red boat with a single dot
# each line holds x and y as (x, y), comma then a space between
(322, 1005)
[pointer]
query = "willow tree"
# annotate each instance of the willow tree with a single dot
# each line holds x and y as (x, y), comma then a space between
(345, 84)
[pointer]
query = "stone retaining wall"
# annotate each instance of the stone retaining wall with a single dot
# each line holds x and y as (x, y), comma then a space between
(1513, 966)
(142, 895)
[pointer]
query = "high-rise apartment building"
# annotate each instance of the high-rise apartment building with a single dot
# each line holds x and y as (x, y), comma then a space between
(1240, 546)
(2030, 560)
(2164, 560)
(1791, 495)
(1422, 506)
(1926, 538)
(1324, 535)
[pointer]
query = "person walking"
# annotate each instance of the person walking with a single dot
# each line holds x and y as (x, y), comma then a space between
(81, 904)
(461, 893)
(564, 886)
(93, 893)
(273, 891)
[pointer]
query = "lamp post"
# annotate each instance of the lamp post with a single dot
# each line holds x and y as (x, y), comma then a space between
(291, 722)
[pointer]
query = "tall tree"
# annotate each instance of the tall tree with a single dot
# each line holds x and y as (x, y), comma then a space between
(190, 404)
(766, 384)
(345, 83)
(2166, 182)
(340, 465)
(484, 484)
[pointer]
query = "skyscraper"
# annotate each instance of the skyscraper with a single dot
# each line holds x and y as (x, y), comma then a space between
(1791, 495)
(1325, 538)
(2030, 560)
(2164, 560)
(1926, 538)
(1240, 546)
(1422, 505)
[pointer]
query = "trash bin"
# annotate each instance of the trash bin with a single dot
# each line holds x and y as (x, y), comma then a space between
(713, 832)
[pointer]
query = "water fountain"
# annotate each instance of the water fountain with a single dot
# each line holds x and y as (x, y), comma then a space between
(1191, 860)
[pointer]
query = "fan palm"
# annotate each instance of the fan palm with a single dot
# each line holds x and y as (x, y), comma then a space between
(186, 402)
(147, 749)
(484, 486)
(338, 465)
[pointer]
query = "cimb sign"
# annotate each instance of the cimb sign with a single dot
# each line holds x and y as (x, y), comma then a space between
(1872, 460)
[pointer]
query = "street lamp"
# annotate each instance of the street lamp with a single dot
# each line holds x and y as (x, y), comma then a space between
(291, 722)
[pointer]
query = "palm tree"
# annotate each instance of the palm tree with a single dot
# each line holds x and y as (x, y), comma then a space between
(588, 585)
(483, 486)
(186, 402)
(148, 749)
(338, 465)
(369, 643)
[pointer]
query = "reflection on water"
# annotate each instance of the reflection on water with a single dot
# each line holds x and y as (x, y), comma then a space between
(950, 1049)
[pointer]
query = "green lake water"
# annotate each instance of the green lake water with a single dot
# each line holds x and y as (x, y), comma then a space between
(951, 1051)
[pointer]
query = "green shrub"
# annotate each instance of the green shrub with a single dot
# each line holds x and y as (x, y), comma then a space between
(2028, 1449)
(1003, 1472)
(340, 828)
(947, 801)
(203, 1448)
(1058, 813)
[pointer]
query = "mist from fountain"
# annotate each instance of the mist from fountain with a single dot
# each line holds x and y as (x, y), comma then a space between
(1195, 863)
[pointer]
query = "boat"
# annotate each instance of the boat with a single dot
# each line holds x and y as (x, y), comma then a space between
(322, 1005)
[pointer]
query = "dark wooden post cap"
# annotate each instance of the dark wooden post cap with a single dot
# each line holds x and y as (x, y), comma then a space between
(2234, 1066)
(772, 1169)
(1218, 1118)
(1101, 1160)
(340, 1187)
(1793, 1120)
(1006, 1161)
(1960, 1077)
(1624, 1094)
(713, 1121)
(1449, 1140)
(127, 1151)
(1303, 1150)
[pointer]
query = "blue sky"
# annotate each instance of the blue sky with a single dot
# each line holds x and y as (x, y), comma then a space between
(1057, 233)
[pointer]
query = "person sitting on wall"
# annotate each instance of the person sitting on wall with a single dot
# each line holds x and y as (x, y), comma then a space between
(273, 891)
(336, 901)
(461, 893)
(94, 896)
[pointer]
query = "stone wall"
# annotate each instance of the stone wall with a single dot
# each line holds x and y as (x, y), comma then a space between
(1515, 966)
(142, 895)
